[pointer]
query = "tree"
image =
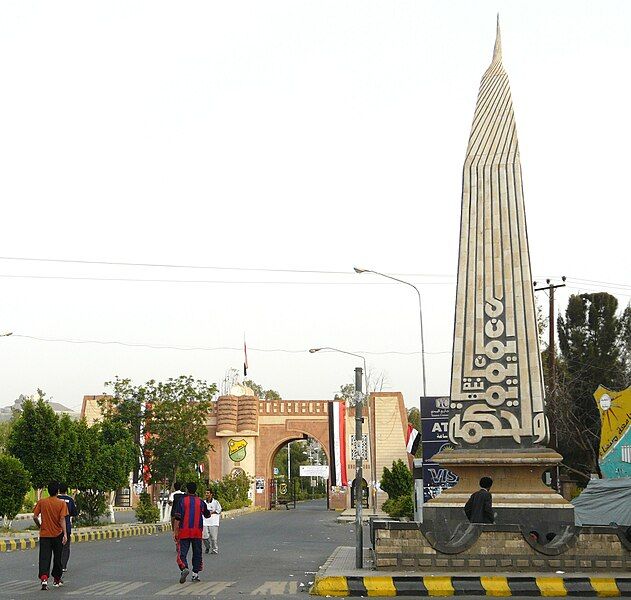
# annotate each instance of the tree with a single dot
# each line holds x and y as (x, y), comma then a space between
(177, 437)
(14, 484)
(126, 403)
(259, 392)
(592, 353)
(39, 440)
(5, 431)
(106, 458)
(375, 382)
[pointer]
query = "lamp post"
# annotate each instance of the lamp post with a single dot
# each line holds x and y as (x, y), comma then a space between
(359, 532)
(420, 315)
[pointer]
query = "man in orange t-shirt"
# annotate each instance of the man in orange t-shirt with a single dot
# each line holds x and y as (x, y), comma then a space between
(49, 515)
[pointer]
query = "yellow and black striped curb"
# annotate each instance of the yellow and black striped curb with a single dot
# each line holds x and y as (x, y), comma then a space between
(436, 585)
(10, 544)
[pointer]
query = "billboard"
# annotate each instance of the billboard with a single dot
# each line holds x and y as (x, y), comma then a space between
(435, 430)
(614, 454)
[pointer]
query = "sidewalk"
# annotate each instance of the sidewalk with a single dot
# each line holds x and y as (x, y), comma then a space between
(339, 577)
(25, 540)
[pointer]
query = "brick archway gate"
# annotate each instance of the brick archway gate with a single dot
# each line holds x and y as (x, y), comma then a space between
(247, 432)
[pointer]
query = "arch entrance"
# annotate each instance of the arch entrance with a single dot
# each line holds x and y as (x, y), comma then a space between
(299, 472)
(248, 433)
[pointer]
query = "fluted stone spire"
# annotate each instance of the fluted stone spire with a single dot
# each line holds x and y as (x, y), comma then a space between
(497, 397)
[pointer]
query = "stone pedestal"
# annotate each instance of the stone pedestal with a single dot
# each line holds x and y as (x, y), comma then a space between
(519, 495)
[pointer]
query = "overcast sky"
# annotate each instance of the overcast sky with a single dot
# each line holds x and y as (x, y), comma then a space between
(298, 135)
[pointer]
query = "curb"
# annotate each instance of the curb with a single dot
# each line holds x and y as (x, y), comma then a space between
(478, 585)
(27, 516)
(28, 543)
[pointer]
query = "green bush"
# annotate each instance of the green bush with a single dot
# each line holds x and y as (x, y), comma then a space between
(398, 483)
(147, 511)
(90, 506)
(14, 483)
(28, 505)
(401, 507)
(232, 491)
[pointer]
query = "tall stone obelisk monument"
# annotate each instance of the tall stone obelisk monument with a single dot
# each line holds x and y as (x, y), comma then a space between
(497, 421)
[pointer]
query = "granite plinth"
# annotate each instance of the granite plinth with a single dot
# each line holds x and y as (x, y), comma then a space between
(520, 497)
(412, 546)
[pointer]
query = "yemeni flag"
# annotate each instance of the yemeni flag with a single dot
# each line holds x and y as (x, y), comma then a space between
(412, 440)
(337, 443)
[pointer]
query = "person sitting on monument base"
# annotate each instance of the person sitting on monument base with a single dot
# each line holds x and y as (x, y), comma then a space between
(479, 507)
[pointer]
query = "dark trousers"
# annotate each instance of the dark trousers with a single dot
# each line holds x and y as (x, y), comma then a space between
(185, 544)
(65, 554)
(48, 546)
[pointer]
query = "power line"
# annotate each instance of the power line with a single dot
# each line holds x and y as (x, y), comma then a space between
(212, 281)
(201, 348)
(211, 267)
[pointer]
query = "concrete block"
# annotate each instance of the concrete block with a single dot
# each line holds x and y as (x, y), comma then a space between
(522, 562)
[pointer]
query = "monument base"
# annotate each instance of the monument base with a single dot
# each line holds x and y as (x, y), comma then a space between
(519, 495)
(476, 548)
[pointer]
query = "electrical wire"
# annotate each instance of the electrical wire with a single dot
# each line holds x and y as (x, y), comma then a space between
(202, 348)
(213, 267)
(214, 281)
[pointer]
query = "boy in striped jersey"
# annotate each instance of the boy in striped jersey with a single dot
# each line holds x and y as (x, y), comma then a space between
(188, 527)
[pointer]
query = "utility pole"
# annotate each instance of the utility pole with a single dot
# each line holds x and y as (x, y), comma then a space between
(550, 287)
(359, 533)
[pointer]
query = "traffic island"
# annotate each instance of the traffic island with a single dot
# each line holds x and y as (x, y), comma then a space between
(338, 577)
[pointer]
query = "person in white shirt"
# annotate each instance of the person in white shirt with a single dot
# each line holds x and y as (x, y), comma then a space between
(211, 524)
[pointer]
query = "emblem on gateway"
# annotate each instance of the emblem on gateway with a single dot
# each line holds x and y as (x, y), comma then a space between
(237, 449)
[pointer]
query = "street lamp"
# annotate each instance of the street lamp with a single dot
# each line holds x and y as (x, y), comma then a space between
(371, 424)
(314, 350)
(359, 532)
(420, 314)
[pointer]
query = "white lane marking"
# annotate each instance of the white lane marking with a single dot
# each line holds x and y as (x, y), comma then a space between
(276, 588)
(194, 588)
(20, 587)
(108, 588)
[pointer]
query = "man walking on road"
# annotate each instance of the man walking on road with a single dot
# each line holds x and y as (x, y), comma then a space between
(49, 515)
(211, 525)
(72, 512)
(189, 522)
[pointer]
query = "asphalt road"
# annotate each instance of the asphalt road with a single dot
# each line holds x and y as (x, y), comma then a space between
(272, 553)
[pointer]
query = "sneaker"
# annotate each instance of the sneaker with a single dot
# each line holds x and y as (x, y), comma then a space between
(64, 570)
(207, 550)
(57, 584)
(195, 577)
(215, 552)
(183, 575)
(44, 585)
